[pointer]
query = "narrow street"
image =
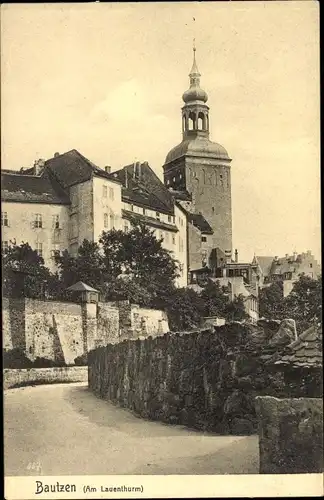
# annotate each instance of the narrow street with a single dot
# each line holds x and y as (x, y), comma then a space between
(66, 430)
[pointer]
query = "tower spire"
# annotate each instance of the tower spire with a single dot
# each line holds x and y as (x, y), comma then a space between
(194, 73)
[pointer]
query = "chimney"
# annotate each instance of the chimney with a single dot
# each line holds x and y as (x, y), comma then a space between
(108, 169)
(236, 255)
(56, 155)
(39, 166)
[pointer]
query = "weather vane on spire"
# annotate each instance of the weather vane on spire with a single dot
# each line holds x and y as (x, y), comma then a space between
(194, 45)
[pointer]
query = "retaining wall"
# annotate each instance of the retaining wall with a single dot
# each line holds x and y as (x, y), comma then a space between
(45, 375)
(200, 379)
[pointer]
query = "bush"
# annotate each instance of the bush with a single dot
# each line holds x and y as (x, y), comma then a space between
(16, 359)
(81, 360)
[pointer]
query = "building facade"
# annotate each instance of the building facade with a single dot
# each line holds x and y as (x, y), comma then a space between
(197, 172)
(59, 203)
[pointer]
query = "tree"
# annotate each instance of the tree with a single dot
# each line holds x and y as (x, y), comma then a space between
(214, 298)
(139, 255)
(271, 301)
(87, 266)
(24, 273)
(184, 308)
(235, 310)
(304, 303)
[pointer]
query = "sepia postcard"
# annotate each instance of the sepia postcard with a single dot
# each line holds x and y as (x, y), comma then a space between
(161, 250)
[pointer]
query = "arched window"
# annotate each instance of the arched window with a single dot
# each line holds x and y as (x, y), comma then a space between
(201, 121)
(192, 121)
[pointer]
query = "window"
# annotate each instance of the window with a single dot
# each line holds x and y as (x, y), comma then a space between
(213, 210)
(111, 193)
(157, 214)
(126, 228)
(104, 191)
(38, 220)
(4, 246)
(310, 265)
(173, 239)
(39, 249)
(105, 221)
(204, 239)
(181, 221)
(56, 221)
(112, 223)
(169, 218)
(132, 208)
(4, 219)
(173, 220)
(144, 211)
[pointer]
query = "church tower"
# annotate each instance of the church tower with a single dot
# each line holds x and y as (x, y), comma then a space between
(200, 168)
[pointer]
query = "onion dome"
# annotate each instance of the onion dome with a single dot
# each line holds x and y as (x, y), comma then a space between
(194, 93)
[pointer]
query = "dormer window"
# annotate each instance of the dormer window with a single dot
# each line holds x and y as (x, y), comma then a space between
(157, 214)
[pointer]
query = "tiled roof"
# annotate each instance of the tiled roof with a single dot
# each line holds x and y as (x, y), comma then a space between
(199, 221)
(180, 195)
(265, 264)
(306, 351)
(150, 221)
(72, 168)
(145, 188)
(20, 187)
(81, 287)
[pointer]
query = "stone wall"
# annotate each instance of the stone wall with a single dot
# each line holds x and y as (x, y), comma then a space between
(148, 322)
(108, 329)
(63, 331)
(31, 376)
(206, 379)
(290, 435)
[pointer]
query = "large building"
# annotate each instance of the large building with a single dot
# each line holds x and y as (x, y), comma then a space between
(63, 200)
(197, 172)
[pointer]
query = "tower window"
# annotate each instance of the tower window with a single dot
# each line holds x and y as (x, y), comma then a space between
(204, 239)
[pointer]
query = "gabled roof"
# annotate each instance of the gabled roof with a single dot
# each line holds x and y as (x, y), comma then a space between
(73, 168)
(21, 187)
(143, 187)
(81, 287)
(199, 221)
(306, 351)
(265, 263)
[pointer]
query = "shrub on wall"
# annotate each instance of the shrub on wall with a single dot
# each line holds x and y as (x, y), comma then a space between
(17, 359)
(81, 360)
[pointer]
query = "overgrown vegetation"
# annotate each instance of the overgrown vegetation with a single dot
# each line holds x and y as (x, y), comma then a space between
(134, 266)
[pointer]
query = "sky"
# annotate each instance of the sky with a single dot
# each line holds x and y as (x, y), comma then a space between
(107, 80)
